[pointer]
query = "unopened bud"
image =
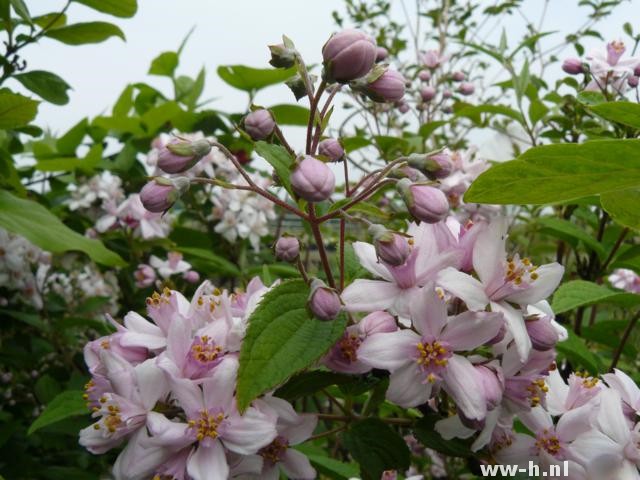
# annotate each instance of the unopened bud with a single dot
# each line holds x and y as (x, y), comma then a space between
(424, 75)
(191, 276)
(543, 335)
(180, 155)
(466, 88)
(348, 55)
(381, 54)
(427, 93)
(492, 385)
(573, 66)
(259, 124)
(424, 202)
(381, 85)
(324, 302)
(636, 71)
(313, 180)
(447, 94)
(402, 106)
(282, 56)
(632, 81)
(332, 149)
(287, 249)
(438, 165)
(457, 76)
(159, 194)
(391, 247)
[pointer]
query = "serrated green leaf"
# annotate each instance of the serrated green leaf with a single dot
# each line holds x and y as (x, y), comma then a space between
(279, 159)
(282, 339)
(45, 230)
(67, 404)
(117, 8)
(83, 33)
(376, 447)
(47, 85)
(16, 110)
(580, 293)
(252, 79)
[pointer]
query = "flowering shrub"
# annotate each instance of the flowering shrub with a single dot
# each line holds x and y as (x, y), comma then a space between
(202, 297)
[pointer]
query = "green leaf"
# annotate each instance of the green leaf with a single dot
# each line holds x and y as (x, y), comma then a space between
(591, 98)
(472, 111)
(279, 159)
(426, 129)
(50, 20)
(67, 404)
(580, 293)
(214, 262)
(308, 383)
(117, 8)
(21, 9)
(537, 110)
(574, 349)
(626, 113)
(290, 115)
(68, 143)
(559, 173)
(328, 466)
(47, 85)
(164, 64)
(282, 339)
(609, 333)
(251, 79)
(623, 207)
(352, 144)
(61, 164)
(165, 113)
(567, 228)
(16, 110)
(425, 432)
(190, 99)
(83, 33)
(376, 447)
(45, 230)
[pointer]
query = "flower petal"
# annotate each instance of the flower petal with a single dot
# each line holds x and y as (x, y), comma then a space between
(366, 253)
(489, 253)
(389, 351)
(462, 383)
(208, 463)
(472, 329)
(406, 388)
(463, 286)
(296, 465)
(428, 312)
(248, 433)
(369, 295)
(549, 277)
(516, 327)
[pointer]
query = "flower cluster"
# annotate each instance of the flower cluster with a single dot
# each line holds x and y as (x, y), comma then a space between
(166, 388)
(158, 270)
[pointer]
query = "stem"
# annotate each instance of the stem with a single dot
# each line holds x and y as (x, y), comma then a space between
(623, 341)
(327, 433)
(615, 248)
(314, 223)
(303, 271)
(312, 114)
(363, 196)
(283, 140)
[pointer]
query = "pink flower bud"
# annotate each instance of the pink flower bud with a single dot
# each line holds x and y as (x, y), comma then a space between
(348, 55)
(259, 124)
(161, 193)
(403, 107)
(636, 71)
(282, 56)
(191, 276)
(388, 87)
(424, 202)
(427, 93)
(632, 81)
(180, 155)
(438, 165)
(332, 149)
(390, 247)
(447, 94)
(381, 54)
(287, 249)
(573, 66)
(466, 88)
(313, 180)
(431, 58)
(543, 335)
(424, 75)
(145, 275)
(458, 76)
(324, 302)
(492, 385)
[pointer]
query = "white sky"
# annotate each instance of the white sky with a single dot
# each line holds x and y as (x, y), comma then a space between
(227, 32)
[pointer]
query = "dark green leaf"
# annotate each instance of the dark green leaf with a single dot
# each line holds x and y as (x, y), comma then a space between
(47, 85)
(83, 33)
(474, 110)
(308, 383)
(21, 9)
(67, 404)
(16, 110)
(572, 230)
(282, 339)
(376, 447)
(117, 8)
(45, 230)
(68, 143)
(626, 113)
(251, 79)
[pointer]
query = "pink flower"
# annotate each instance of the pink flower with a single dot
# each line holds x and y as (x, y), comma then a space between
(625, 279)
(502, 282)
(145, 275)
(420, 362)
(343, 356)
(579, 391)
(627, 389)
(173, 265)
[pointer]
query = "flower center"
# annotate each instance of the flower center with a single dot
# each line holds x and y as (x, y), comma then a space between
(156, 299)
(549, 442)
(537, 390)
(111, 418)
(349, 347)
(207, 425)
(587, 380)
(520, 270)
(205, 351)
(433, 358)
(274, 452)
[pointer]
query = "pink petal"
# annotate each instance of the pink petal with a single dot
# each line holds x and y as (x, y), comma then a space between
(389, 351)
(489, 252)
(428, 312)
(463, 286)
(575, 422)
(248, 433)
(462, 383)
(519, 452)
(168, 434)
(208, 463)
(452, 427)
(366, 253)
(218, 388)
(138, 324)
(188, 394)
(472, 329)
(152, 383)
(296, 465)
(625, 386)
(406, 387)
(369, 295)
(611, 419)
(516, 327)
(549, 277)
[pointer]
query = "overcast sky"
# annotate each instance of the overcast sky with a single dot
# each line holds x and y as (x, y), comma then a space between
(226, 32)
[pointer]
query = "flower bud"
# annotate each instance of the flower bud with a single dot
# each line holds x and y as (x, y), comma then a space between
(180, 155)
(632, 81)
(403, 107)
(447, 94)
(287, 249)
(424, 202)
(313, 180)
(492, 385)
(466, 88)
(297, 86)
(432, 59)
(388, 87)
(348, 55)
(324, 302)
(381, 54)
(145, 275)
(427, 93)
(636, 71)
(282, 56)
(332, 149)
(438, 165)
(573, 66)
(424, 75)
(390, 247)
(191, 276)
(458, 76)
(543, 335)
(161, 193)
(259, 124)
